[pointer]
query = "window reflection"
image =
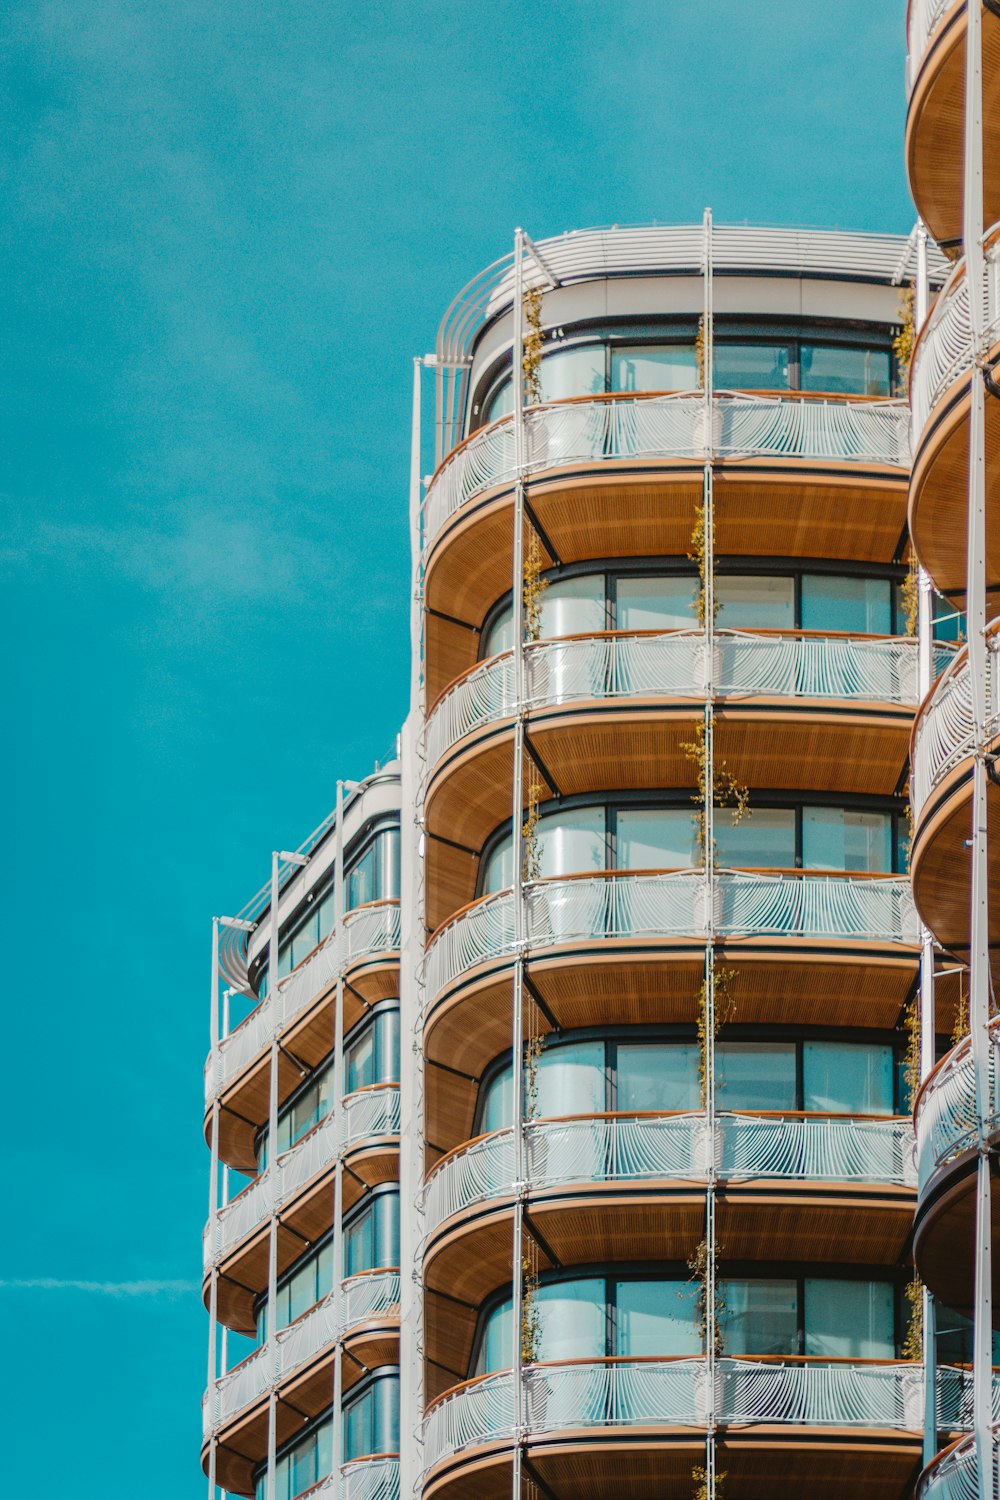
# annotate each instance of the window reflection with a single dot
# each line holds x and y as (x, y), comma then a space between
(651, 367)
(751, 366)
(843, 370)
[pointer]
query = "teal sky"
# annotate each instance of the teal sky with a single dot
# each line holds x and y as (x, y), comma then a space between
(226, 230)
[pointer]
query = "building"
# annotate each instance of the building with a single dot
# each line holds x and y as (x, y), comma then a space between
(652, 831)
(953, 160)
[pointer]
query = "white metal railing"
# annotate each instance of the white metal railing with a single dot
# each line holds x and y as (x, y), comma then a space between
(668, 427)
(925, 16)
(608, 1148)
(955, 1475)
(672, 664)
(369, 1295)
(368, 1113)
(368, 930)
(944, 731)
(673, 1392)
(375, 1478)
(945, 1116)
(944, 349)
(747, 904)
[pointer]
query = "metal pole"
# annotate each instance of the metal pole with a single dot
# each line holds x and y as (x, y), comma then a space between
(517, 854)
(272, 1171)
(708, 514)
(927, 1010)
(922, 299)
(339, 1132)
(213, 1196)
(412, 919)
(979, 955)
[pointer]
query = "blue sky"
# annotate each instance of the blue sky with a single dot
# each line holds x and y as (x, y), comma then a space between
(226, 230)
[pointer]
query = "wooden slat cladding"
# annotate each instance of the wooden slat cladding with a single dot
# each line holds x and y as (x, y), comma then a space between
(940, 862)
(945, 1234)
(935, 127)
(938, 497)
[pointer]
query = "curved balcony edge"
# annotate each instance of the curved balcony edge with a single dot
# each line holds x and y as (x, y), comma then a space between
(672, 905)
(945, 1118)
(362, 1298)
(672, 427)
(943, 732)
(954, 1473)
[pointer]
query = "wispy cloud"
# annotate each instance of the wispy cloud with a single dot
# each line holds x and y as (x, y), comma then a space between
(99, 1288)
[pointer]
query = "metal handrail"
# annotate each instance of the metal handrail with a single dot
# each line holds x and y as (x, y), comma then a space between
(943, 732)
(943, 353)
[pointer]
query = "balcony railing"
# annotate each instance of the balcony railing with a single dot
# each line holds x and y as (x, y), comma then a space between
(944, 731)
(617, 1393)
(620, 904)
(367, 1113)
(670, 1147)
(374, 1478)
(955, 1474)
(672, 664)
(944, 349)
(925, 16)
(670, 427)
(373, 1294)
(945, 1117)
(367, 930)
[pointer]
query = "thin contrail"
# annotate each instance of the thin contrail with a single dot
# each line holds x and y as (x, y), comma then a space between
(100, 1288)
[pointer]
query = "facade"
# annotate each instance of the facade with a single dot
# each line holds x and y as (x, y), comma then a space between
(953, 159)
(647, 837)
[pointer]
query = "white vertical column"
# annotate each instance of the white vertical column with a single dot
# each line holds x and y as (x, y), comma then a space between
(708, 503)
(979, 955)
(213, 1205)
(272, 1172)
(338, 1127)
(413, 926)
(517, 845)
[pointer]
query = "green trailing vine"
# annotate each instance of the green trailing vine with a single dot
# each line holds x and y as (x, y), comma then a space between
(534, 587)
(698, 553)
(961, 1028)
(700, 1270)
(727, 791)
(905, 341)
(699, 1474)
(724, 1009)
(699, 353)
(531, 854)
(913, 1344)
(531, 353)
(910, 596)
(530, 1329)
(911, 1057)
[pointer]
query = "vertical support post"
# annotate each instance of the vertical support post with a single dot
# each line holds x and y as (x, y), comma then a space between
(411, 1005)
(517, 874)
(213, 1205)
(927, 1005)
(922, 300)
(272, 1172)
(708, 503)
(979, 954)
(336, 1444)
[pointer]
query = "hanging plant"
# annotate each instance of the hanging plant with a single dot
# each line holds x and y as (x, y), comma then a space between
(700, 1476)
(700, 1270)
(910, 596)
(904, 342)
(724, 1008)
(698, 553)
(531, 352)
(530, 1329)
(532, 1055)
(531, 854)
(699, 353)
(960, 1030)
(911, 1057)
(912, 1347)
(534, 587)
(727, 791)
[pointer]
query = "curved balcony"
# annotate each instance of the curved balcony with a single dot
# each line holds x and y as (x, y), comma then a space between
(365, 951)
(868, 685)
(940, 383)
(947, 1132)
(935, 134)
(367, 1299)
(852, 1407)
(954, 1474)
(941, 791)
(644, 1177)
(295, 1189)
(616, 476)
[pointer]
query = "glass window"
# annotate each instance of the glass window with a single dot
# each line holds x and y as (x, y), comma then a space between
(571, 842)
(842, 370)
(835, 838)
(361, 880)
(359, 1243)
(859, 605)
(501, 403)
(844, 1077)
(652, 367)
(571, 1080)
(760, 1317)
(371, 1420)
(496, 1102)
(573, 372)
(360, 1071)
(573, 606)
(657, 1075)
(495, 1343)
(751, 367)
(755, 603)
(307, 1109)
(572, 1321)
(763, 840)
(655, 838)
(755, 1075)
(656, 1318)
(849, 1319)
(498, 867)
(500, 635)
(655, 603)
